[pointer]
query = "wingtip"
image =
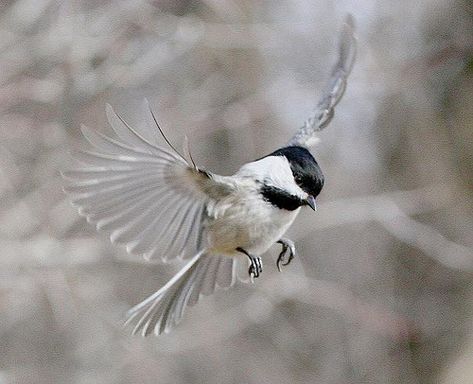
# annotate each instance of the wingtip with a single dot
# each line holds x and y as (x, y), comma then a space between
(350, 21)
(348, 43)
(348, 29)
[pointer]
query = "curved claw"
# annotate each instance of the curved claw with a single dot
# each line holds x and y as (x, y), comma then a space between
(281, 258)
(279, 266)
(256, 267)
(256, 264)
(287, 245)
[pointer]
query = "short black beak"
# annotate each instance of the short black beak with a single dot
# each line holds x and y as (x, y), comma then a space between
(310, 201)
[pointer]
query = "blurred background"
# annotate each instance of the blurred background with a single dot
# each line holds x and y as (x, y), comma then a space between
(382, 289)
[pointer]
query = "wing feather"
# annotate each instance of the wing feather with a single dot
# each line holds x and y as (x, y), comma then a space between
(145, 197)
(334, 90)
(128, 134)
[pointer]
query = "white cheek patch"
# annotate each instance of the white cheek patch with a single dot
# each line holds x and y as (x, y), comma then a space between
(274, 171)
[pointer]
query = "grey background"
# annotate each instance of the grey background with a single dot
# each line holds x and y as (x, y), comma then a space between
(381, 292)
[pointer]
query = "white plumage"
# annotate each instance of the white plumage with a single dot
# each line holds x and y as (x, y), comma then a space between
(158, 205)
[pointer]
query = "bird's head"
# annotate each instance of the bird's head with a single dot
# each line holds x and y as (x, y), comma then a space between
(305, 171)
(289, 177)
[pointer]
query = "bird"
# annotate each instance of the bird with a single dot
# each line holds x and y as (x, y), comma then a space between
(158, 203)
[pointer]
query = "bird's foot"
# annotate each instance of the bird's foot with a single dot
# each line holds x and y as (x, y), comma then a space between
(256, 264)
(287, 254)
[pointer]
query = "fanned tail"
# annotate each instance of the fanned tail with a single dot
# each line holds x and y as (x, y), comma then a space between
(161, 311)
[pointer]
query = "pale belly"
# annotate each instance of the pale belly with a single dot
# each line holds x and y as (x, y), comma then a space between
(248, 223)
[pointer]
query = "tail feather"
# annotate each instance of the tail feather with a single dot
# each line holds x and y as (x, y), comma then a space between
(161, 311)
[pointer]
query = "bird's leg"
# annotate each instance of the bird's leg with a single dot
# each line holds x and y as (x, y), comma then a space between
(256, 264)
(287, 247)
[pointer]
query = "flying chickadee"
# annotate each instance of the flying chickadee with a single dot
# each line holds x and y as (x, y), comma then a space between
(162, 206)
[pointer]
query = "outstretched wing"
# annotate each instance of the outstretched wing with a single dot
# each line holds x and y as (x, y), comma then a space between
(144, 196)
(334, 90)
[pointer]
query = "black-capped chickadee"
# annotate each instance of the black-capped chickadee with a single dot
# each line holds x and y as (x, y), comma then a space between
(162, 206)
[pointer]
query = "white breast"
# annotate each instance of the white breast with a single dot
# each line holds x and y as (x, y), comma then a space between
(244, 219)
